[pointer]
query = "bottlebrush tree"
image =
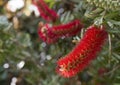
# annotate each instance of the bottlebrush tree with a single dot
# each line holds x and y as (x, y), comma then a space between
(70, 42)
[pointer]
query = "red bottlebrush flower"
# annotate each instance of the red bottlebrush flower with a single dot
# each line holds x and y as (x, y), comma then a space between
(50, 34)
(46, 35)
(45, 12)
(85, 51)
(69, 29)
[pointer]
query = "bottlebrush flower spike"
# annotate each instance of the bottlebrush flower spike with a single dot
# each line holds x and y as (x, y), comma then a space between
(69, 29)
(85, 51)
(50, 34)
(46, 35)
(45, 12)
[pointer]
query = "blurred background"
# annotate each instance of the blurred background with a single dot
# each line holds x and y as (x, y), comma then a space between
(26, 60)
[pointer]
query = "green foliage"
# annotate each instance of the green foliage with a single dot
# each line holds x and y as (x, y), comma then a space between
(52, 3)
(106, 4)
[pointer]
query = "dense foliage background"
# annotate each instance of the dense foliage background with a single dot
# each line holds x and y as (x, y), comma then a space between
(26, 60)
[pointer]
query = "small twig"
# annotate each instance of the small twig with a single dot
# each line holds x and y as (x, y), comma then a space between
(110, 47)
(114, 69)
(82, 32)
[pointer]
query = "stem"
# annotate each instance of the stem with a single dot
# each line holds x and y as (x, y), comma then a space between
(110, 47)
(82, 32)
(112, 71)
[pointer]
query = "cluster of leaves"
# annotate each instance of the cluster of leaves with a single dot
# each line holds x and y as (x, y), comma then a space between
(40, 59)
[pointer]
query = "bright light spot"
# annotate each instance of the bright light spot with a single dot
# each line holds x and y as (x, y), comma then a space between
(34, 8)
(14, 5)
(42, 64)
(42, 54)
(6, 65)
(14, 81)
(48, 57)
(20, 64)
(61, 10)
(63, 37)
(43, 44)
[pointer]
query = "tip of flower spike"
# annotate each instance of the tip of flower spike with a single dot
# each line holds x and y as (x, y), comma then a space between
(44, 34)
(45, 12)
(41, 24)
(63, 68)
(101, 29)
(62, 72)
(60, 69)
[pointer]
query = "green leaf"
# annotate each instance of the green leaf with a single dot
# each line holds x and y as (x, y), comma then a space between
(116, 55)
(4, 75)
(116, 84)
(24, 39)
